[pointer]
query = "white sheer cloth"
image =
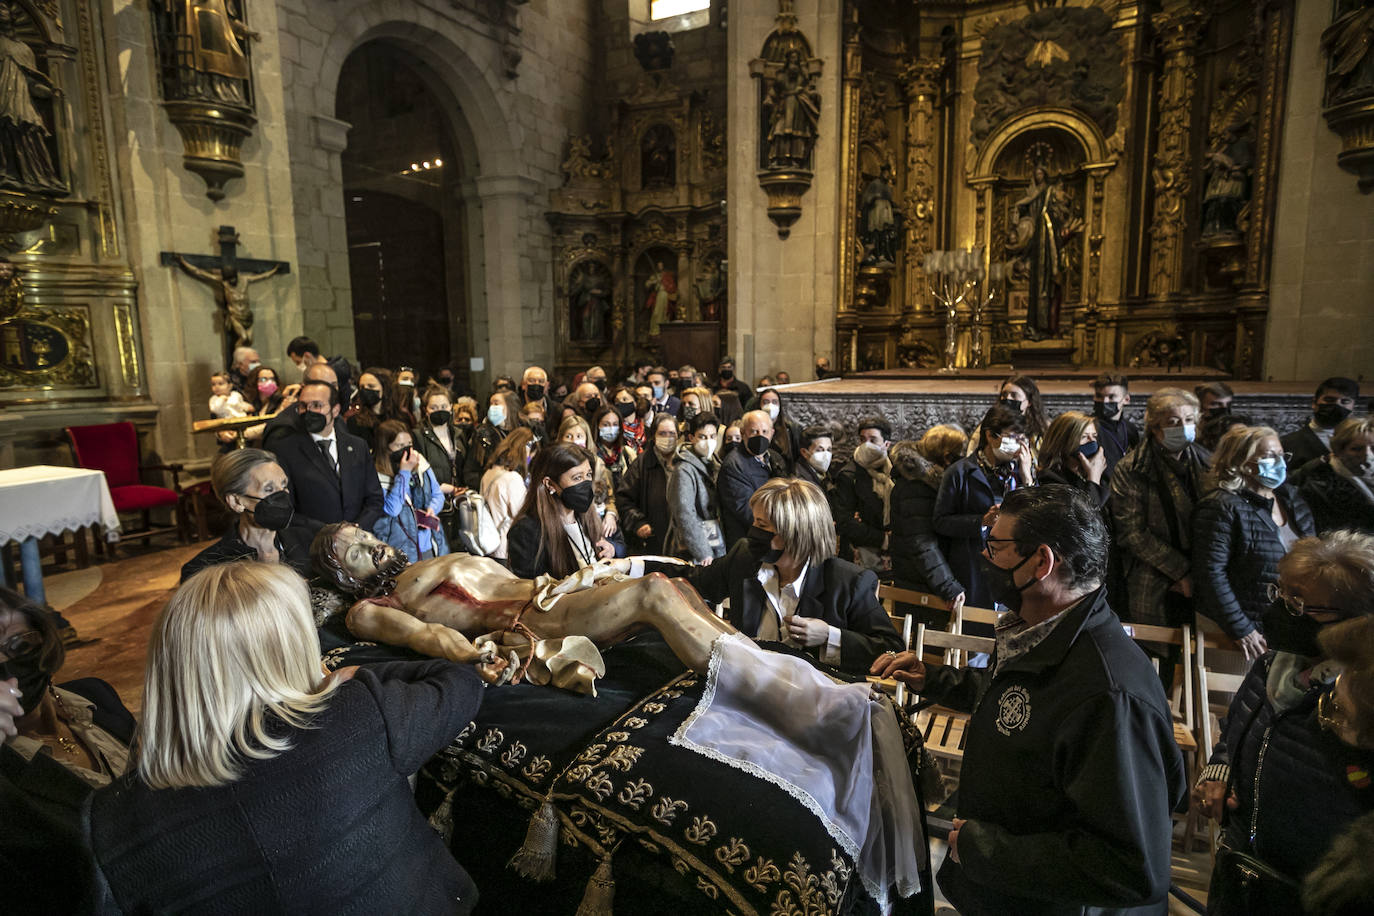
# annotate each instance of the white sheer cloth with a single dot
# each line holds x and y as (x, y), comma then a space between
(834, 747)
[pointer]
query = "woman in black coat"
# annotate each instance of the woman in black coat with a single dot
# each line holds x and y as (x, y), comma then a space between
(558, 530)
(502, 416)
(1069, 454)
(974, 485)
(1241, 530)
(290, 792)
(642, 497)
(1340, 486)
(917, 561)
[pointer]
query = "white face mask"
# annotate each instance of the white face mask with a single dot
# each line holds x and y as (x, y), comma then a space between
(820, 461)
(868, 453)
(772, 410)
(704, 447)
(1008, 446)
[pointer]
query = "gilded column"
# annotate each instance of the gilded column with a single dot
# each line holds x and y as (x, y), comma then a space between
(1178, 32)
(849, 160)
(922, 82)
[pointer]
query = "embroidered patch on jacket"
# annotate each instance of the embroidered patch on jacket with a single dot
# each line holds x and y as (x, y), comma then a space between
(1013, 710)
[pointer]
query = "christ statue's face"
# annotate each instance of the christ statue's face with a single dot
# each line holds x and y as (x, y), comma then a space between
(365, 557)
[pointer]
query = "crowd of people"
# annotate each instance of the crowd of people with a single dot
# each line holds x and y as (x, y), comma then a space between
(1066, 524)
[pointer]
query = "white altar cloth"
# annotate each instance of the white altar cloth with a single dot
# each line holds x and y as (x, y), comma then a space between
(46, 499)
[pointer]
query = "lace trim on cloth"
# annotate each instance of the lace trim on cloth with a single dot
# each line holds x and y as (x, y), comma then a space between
(55, 526)
(835, 747)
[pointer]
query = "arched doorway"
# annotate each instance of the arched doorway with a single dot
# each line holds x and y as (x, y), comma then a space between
(407, 264)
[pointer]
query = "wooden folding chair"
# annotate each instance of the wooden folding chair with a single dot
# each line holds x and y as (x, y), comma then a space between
(944, 728)
(1219, 684)
(966, 615)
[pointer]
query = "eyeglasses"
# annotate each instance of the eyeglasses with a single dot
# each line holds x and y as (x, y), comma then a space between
(1286, 456)
(988, 542)
(22, 645)
(1295, 605)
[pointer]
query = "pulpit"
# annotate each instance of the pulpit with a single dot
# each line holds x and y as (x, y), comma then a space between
(690, 343)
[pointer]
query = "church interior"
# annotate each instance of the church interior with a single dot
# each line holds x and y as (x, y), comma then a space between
(880, 206)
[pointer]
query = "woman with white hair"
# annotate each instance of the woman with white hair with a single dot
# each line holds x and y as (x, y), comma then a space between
(260, 785)
(786, 585)
(1241, 530)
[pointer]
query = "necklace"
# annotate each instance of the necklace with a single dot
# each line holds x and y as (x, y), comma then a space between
(67, 744)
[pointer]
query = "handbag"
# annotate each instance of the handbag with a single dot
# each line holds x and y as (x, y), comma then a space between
(1244, 884)
(476, 528)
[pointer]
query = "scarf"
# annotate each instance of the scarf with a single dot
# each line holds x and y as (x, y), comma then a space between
(880, 470)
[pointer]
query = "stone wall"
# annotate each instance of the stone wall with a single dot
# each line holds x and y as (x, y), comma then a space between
(1322, 284)
(510, 121)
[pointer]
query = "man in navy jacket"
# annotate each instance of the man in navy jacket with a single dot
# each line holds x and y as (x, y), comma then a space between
(331, 471)
(1070, 769)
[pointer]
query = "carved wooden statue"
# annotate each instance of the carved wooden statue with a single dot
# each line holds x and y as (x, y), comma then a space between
(794, 108)
(25, 160)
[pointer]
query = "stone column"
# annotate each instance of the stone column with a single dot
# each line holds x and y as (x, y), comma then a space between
(1179, 32)
(326, 286)
(509, 308)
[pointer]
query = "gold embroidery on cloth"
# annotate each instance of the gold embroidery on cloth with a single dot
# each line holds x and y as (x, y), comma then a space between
(702, 831)
(733, 855)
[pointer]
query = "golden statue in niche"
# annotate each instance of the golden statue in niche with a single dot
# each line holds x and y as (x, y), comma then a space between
(26, 162)
(209, 45)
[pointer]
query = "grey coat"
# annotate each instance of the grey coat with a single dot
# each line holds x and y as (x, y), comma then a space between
(691, 501)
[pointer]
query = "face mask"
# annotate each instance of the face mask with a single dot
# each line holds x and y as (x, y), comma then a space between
(592, 406)
(658, 392)
(1088, 449)
(705, 448)
(761, 545)
(440, 417)
(1286, 633)
(688, 412)
(406, 383)
(1012, 404)
(446, 381)
(464, 423)
(757, 445)
(1271, 472)
(727, 374)
(626, 409)
(868, 454)
(252, 366)
(496, 415)
(267, 389)
(369, 397)
(534, 392)
(397, 456)
(1176, 438)
(1330, 414)
(664, 445)
(1106, 410)
(729, 446)
(578, 497)
(1002, 583)
(314, 423)
(274, 511)
(1008, 447)
(33, 680)
(609, 434)
(820, 461)
(772, 410)
(599, 383)
(1218, 411)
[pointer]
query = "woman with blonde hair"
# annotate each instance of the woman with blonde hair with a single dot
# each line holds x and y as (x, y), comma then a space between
(1340, 485)
(1241, 530)
(785, 583)
(260, 785)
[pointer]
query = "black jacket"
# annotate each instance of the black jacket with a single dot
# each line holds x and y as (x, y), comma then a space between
(293, 544)
(352, 495)
(1335, 501)
(1099, 493)
(917, 561)
(1298, 795)
(1236, 553)
(803, 470)
(966, 494)
(446, 470)
(529, 558)
(1117, 437)
(642, 498)
(858, 508)
(484, 441)
(1070, 776)
(327, 825)
(838, 592)
(739, 476)
(1304, 445)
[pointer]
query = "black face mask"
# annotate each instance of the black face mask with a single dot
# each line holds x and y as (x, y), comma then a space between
(534, 392)
(1286, 633)
(274, 511)
(441, 418)
(397, 456)
(1002, 583)
(33, 680)
(757, 445)
(462, 424)
(369, 397)
(446, 381)
(1220, 410)
(1106, 410)
(761, 545)
(1330, 414)
(688, 412)
(592, 406)
(1088, 449)
(577, 497)
(313, 423)
(600, 383)
(727, 374)
(626, 410)
(729, 446)
(1010, 404)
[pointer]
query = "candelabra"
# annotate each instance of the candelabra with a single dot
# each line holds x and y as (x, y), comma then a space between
(959, 276)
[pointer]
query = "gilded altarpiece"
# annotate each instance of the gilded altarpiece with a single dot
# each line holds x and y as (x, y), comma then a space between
(638, 226)
(1116, 160)
(69, 329)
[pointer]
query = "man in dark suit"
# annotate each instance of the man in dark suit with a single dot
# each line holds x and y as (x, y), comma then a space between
(663, 401)
(332, 477)
(742, 472)
(1333, 402)
(289, 421)
(727, 381)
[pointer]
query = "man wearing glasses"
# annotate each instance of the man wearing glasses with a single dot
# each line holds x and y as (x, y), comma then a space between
(1070, 769)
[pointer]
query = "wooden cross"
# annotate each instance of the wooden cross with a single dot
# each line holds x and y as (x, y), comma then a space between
(229, 276)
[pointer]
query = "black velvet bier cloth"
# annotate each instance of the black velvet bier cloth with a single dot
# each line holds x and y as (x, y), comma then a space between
(685, 834)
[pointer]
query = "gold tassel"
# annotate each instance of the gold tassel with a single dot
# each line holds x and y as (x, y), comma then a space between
(537, 857)
(442, 818)
(599, 898)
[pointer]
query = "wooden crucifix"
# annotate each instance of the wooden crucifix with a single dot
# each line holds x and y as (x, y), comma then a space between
(229, 276)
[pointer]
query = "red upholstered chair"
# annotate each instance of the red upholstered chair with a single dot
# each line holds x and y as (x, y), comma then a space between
(113, 449)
